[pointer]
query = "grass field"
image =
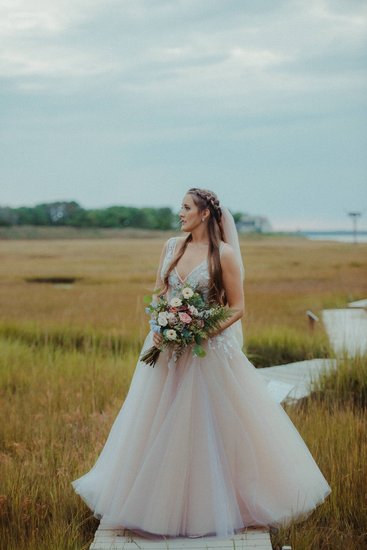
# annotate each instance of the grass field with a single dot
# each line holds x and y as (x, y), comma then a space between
(67, 354)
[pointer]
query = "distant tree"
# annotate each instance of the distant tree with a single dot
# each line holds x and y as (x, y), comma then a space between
(165, 218)
(237, 216)
(70, 213)
(8, 216)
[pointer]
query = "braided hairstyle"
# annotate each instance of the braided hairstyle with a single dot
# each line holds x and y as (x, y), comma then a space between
(203, 199)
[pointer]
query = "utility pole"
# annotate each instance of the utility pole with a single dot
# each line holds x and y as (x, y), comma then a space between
(354, 216)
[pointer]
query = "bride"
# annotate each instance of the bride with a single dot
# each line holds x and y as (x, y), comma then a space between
(200, 447)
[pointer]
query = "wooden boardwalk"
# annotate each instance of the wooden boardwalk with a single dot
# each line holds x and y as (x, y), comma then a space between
(347, 332)
(112, 539)
(347, 329)
(290, 382)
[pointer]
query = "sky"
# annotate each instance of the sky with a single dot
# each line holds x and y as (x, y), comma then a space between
(132, 102)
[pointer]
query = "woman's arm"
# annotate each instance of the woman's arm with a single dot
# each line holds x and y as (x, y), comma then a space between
(233, 286)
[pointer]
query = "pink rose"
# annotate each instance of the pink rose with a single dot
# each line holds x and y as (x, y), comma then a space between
(184, 317)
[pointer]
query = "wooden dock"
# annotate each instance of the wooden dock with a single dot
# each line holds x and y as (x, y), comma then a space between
(347, 332)
(292, 381)
(123, 539)
(347, 328)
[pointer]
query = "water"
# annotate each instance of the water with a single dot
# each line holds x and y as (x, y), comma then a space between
(341, 236)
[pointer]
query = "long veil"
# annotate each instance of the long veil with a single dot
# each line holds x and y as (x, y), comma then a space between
(230, 236)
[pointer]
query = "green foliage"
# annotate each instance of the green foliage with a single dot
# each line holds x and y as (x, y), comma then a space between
(347, 385)
(280, 345)
(70, 213)
(68, 338)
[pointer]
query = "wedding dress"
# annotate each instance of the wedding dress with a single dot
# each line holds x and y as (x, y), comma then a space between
(200, 447)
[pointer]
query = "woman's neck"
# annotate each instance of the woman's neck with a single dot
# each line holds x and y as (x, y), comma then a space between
(200, 237)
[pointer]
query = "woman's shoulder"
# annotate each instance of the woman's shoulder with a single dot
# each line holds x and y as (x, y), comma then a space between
(179, 239)
(226, 251)
(225, 247)
(175, 239)
(171, 243)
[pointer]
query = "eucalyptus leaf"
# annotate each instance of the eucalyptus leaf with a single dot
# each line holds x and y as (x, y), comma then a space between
(199, 351)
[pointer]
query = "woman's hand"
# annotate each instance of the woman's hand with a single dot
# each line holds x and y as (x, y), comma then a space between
(157, 339)
(213, 333)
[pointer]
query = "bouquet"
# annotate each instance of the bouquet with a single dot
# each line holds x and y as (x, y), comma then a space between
(183, 321)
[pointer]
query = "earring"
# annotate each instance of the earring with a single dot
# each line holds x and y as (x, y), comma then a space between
(203, 219)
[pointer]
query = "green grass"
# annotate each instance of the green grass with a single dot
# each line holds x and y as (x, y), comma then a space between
(279, 345)
(58, 405)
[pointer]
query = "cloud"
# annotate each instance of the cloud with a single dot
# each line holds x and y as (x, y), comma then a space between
(268, 93)
(182, 46)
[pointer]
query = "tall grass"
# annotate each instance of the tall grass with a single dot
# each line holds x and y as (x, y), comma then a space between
(70, 338)
(281, 344)
(332, 421)
(58, 407)
(67, 357)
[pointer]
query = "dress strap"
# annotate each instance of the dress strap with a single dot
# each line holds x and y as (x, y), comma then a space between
(171, 245)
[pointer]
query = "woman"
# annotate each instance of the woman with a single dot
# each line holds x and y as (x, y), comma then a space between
(199, 446)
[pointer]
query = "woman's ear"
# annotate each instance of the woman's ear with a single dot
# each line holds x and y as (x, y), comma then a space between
(205, 214)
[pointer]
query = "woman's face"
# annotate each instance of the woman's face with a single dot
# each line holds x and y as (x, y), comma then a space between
(189, 214)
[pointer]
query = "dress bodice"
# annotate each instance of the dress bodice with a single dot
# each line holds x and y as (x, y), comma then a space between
(198, 278)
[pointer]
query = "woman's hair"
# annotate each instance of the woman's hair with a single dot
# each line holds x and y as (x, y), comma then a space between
(203, 198)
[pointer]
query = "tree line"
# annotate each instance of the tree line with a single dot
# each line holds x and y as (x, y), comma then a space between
(70, 213)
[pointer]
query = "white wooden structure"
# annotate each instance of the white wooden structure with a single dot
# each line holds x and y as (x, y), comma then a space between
(358, 303)
(112, 539)
(292, 381)
(347, 329)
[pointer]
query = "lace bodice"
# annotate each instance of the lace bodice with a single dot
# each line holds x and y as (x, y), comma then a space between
(198, 278)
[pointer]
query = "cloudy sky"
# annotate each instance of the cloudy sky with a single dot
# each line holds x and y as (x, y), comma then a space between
(133, 101)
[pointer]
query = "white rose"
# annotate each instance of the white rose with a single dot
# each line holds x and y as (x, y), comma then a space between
(193, 310)
(175, 302)
(171, 334)
(162, 319)
(172, 319)
(187, 292)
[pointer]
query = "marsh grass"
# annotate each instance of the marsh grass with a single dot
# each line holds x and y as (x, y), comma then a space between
(332, 421)
(70, 338)
(58, 406)
(281, 344)
(348, 386)
(67, 358)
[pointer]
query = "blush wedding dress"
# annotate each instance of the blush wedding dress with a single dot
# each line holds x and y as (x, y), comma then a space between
(200, 447)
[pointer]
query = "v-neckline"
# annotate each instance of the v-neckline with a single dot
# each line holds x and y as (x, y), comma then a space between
(192, 271)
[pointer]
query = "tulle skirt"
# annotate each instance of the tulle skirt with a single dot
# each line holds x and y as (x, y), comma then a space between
(200, 447)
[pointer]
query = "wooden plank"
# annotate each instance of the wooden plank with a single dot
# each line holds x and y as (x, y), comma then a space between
(347, 329)
(298, 376)
(358, 303)
(117, 539)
